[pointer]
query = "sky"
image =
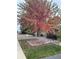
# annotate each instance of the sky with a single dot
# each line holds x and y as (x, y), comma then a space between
(56, 1)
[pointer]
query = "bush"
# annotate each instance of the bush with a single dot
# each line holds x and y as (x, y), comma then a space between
(52, 36)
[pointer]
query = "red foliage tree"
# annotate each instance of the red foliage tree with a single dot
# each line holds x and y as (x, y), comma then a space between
(36, 12)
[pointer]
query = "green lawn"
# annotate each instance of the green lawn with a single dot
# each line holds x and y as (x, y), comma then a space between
(40, 51)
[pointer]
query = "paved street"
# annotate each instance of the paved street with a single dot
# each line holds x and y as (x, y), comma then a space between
(53, 57)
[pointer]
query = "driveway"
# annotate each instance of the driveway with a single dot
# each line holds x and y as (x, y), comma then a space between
(58, 56)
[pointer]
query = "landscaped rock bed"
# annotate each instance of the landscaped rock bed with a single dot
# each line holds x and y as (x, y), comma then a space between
(38, 42)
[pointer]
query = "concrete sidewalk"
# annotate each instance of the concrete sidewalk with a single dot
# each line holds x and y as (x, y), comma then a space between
(20, 54)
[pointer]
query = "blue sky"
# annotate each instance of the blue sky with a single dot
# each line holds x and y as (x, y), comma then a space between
(58, 2)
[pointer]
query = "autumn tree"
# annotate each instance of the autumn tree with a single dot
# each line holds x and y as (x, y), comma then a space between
(36, 12)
